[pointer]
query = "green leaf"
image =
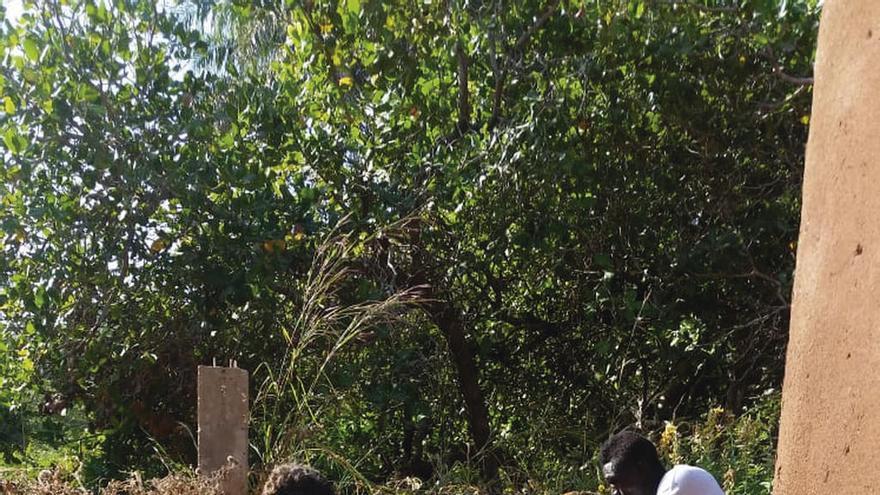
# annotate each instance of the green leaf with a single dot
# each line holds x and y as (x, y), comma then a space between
(603, 260)
(89, 93)
(761, 39)
(354, 6)
(31, 50)
(640, 10)
(228, 139)
(103, 14)
(8, 105)
(14, 143)
(97, 109)
(40, 299)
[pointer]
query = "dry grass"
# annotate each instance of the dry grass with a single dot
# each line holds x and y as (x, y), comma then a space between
(56, 483)
(291, 394)
(174, 484)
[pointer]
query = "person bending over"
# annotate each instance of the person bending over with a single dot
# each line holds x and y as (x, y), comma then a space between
(631, 466)
(296, 479)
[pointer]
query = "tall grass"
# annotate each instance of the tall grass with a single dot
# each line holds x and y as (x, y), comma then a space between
(291, 397)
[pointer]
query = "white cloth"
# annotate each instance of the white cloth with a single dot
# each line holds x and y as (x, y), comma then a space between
(688, 480)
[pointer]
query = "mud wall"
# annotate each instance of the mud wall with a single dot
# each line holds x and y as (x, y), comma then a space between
(831, 396)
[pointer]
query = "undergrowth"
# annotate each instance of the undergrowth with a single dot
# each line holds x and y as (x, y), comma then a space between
(738, 450)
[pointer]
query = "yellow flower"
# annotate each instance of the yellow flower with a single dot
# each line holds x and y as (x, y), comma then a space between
(669, 442)
(668, 435)
(346, 81)
(729, 479)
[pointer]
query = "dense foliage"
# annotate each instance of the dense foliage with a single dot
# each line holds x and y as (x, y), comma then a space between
(442, 235)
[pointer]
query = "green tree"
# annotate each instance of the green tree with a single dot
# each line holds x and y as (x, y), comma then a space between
(597, 202)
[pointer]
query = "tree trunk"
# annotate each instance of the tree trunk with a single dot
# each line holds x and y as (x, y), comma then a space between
(449, 321)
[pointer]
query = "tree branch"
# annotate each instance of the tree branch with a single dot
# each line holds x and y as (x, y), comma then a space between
(497, 73)
(752, 274)
(770, 55)
(497, 98)
(701, 7)
(799, 81)
(539, 21)
(464, 104)
(500, 69)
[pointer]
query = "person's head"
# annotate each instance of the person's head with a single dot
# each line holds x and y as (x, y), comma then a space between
(630, 464)
(296, 479)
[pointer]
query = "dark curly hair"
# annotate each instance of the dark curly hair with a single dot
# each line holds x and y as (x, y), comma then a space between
(296, 479)
(629, 448)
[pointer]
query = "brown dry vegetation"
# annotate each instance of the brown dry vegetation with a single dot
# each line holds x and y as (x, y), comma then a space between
(56, 483)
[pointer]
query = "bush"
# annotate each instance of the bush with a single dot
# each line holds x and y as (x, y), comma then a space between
(739, 451)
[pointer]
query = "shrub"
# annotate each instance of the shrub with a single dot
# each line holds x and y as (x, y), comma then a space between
(739, 451)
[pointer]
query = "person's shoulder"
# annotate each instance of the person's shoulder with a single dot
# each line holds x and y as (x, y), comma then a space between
(686, 471)
(688, 480)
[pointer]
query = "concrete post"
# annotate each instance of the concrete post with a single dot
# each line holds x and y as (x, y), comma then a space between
(831, 395)
(223, 425)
